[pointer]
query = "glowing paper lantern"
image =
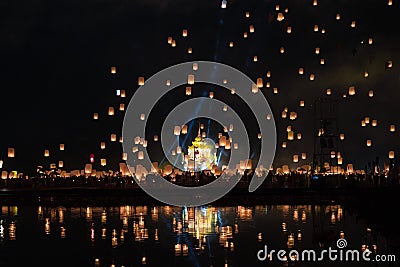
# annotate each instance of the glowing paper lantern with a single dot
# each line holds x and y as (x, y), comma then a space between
(225, 108)
(352, 90)
(284, 114)
(369, 142)
(322, 61)
(46, 153)
(301, 71)
(233, 91)
(289, 128)
(366, 74)
(259, 82)
(391, 154)
(341, 136)
(282, 50)
(113, 70)
(61, 164)
(190, 50)
(173, 44)
(371, 93)
(195, 66)
(315, 28)
(177, 130)
(188, 90)
(110, 111)
(62, 147)
(95, 116)
(392, 128)
(1, 164)
(339, 161)
(254, 88)
(140, 155)
(11, 152)
(289, 29)
(293, 115)
(363, 124)
(259, 136)
(353, 24)
(155, 138)
(374, 123)
(121, 107)
(269, 74)
(367, 120)
(290, 135)
(390, 2)
(113, 137)
(370, 41)
(169, 40)
(295, 158)
(142, 117)
(190, 79)
(251, 29)
(245, 35)
(312, 77)
(328, 91)
(168, 83)
(184, 33)
(124, 156)
(317, 50)
(247, 14)
(141, 81)
(315, 2)
(223, 4)
(303, 156)
(275, 90)
(299, 136)
(102, 145)
(280, 17)
(337, 16)
(211, 94)
(301, 104)
(123, 94)
(230, 44)
(284, 144)
(103, 162)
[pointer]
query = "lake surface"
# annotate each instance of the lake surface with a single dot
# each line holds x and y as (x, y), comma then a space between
(130, 235)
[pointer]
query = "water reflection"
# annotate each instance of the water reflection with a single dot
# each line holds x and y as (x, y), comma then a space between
(175, 236)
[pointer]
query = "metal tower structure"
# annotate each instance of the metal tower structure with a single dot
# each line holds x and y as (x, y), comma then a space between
(327, 145)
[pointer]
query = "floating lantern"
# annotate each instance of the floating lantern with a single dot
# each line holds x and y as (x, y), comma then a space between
(225, 108)
(391, 154)
(247, 14)
(328, 91)
(102, 145)
(142, 117)
(317, 50)
(251, 29)
(245, 35)
(113, 137)
(323, 30)
(389, 64)
(230, 44)
(190, 79)
(124, 156)
(284, 114)
(188, 90)
(352, 90)
(121, 107)
(190, 50)
(222, 141)
(369, 142)
(254, 88)
(113, 70)
(282, 50)
(62, 147)
(141, 81)
(293, 115)
(168, 83)
(290, 135)
(61, 164)
(269, 74)
(303, 156)
(366, 74)
(277, 7)
(322, 61)
(230, 127)
(233, 91)
(173, 44)
(259, 82)
(390, 2)
(392, 128)
(11, 152)
(110, 111)
(46, 153)
(95, 116)
(268, 116)
(284, 144)
(184, 33)
(289, 128)
(371, 93)
(289, 29)
(1, 164)
(295, 158)
(315, 3)
(140, 155)
(184, 129)
(177, 130)
(339, 161)
(179, 150)
(268, 85)
(301, 103)
(370, 41)
(122, 93)
(363, 124)
(259, 136)
(374, 123)
(312, 77)
(211, 94)
(103, 162)
(301, 71)
(337, 16)
(315, 28)
(169, 40)
(195, 66)
(275, 90)
(299, 136)
(353, 24)
(155, 138)
(280, 16)
(367, 120)
(341, 136)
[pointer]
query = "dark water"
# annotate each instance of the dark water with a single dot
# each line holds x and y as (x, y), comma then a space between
(129, 235)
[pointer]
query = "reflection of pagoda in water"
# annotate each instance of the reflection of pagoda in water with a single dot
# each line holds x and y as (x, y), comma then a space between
(201, 154)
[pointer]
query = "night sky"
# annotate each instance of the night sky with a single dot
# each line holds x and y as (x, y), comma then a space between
(56, 58)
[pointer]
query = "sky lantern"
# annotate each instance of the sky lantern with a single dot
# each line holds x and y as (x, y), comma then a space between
(184, 33)
(352, 90)
(11, 152)
(245, 35)
(110, 111)
(62, 147)
(369, 142)
(290, 135)
(371, 93)
(282, 50)
(390, 2)
(190, 79)
(328, 91)
(155, 138)
(103, 162)
(295, 158)
(303, 156)
(168, 82)
(142, 117)
(233, 91)
(339, 161)
(140, 155)
(179, 150)
(225, 108)
(370, 41)
(341, 136)
(102, 145)
(333, 154)
(121, 107)
(124, 156)
(268, 116)
(280, 16)
(289, 29)
(254, 88)
(323, 30)
(275, 90)
(389, 64)
(315, 2)
(91, 158)
(61, 164)
(392, 128)
(353, 24)
(113, 70)
(315, 28)
(259, 135)
(391, 154)
(211, 94)
(223, 4)
(367, 120)
(113, 138)
(301, 71)
(322, 61)
(184, 129)
(251, 29)
(231, 44)
(269, 74)
(123, 93)
(317, 50)
(301, 104)
(255, 59)
(169, 40)
(284, 114)
(374, 123)
(247, 14)
(293, 115)
(195, 66)
(140, 81)
(277, 7)
(312, 77)
(366, 74)
(177, 130)
(298, 136)
(95, 116)
(188, 90)
(222, 140)
(284, 144)
(173, 44)
(121, 139)
(337, 16)
(190, 50)
(289, 128)
(46, 153)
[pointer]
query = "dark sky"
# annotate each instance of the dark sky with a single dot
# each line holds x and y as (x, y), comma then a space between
(56, 58)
